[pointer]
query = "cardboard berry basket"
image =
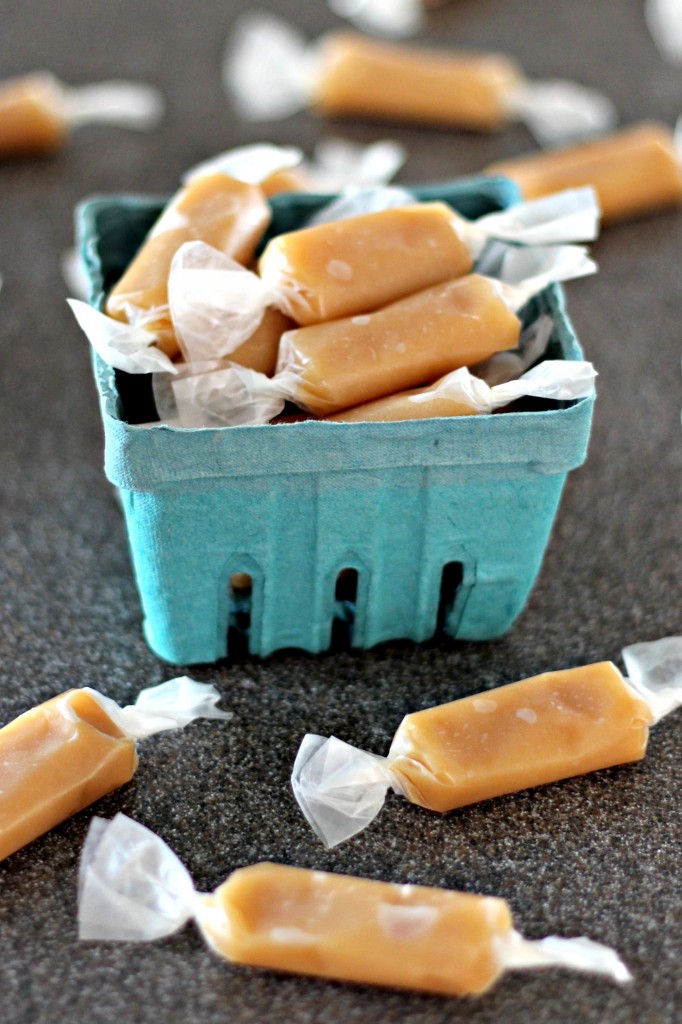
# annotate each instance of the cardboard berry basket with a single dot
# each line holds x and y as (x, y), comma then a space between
(384, 530)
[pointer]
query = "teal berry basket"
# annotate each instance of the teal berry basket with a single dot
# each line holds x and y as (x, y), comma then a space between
(361, 532)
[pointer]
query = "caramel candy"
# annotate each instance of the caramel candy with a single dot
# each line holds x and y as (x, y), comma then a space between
(64, 754)
(549, 727)
(31, 117)
(225, 213)
(57, 759)
(260, 351)
(362, 263)
(337, 365)
(401, 407)
(311, 922)
(463, 393)
(353, 929)
(540, 730)
(634, 171)
(366, 77)
(293, 179)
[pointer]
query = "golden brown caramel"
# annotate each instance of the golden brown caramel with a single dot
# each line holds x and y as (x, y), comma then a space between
(409, 343)
(57, 759)
(352, 929)
(401, 407)
(539, 730)
(634, 171)
(376, 79)
(31, 121)
(224, 213)
(362, 263)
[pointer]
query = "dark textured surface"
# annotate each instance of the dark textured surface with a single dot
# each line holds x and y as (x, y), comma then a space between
(598, 855)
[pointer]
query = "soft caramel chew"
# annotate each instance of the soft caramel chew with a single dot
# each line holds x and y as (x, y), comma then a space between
(412, 342)
(362, 263)
(292, 179)
(259, 352)
(225, 213)
(57, 759)
(370, 78)
(351, 929)
(31, 121)
(633, 171)
(539, 730)
(401, 407)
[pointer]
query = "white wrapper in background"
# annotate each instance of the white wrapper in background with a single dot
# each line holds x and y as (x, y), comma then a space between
(128, 347)
(128, 104)
(558, 113)
(133, 888)
(395, 18)
(170, 705)
(366, 200)
(664, 20)
(251, 164)
(338, 164)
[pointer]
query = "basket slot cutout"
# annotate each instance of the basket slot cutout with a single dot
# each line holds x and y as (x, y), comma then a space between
(451, 580)
(345, 599)
(240, 602)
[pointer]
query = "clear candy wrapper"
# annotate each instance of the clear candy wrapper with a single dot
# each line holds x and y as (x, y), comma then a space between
(505, 366)
(664, 20)
(170, 705)
(557, 380)
(655, 670)
(341, 789)
(133, 888)
(130, 347)
(396, 18)
(129, 104)
(270, 71)
(337, 164)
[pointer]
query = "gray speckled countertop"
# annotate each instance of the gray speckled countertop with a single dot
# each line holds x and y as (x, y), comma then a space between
(597, 855)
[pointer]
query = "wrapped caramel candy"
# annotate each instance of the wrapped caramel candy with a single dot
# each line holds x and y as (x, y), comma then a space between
(634, 171)
(462, 394)
(37, 112)
(64, 754)
(134, 889)
(228, 214)
(549, 727)
(328, 367)
(271, 72)
(353, 262)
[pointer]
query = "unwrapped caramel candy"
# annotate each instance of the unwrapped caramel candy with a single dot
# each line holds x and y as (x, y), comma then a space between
(315, 923)
(549, 727)
(68, 752)
(37, 112)
(634, 171)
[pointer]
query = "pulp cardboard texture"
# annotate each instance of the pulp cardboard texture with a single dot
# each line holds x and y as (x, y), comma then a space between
(445, 521)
